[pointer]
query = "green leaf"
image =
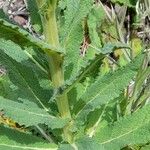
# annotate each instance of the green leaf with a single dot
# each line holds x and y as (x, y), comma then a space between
(72, 62)
(82, 144)
(105, 89)
(19, 52)
(26, 56)
(109, 47)
(29, 114)
(7, 88)
(129, 3)
(75, 94)
(62, 4)
(88, 65)
(23, 38)
(11, 91)
(34, 15)
(26, 79)
(147, 147)
(13, 140)
(72, 34)
(13, 50)
(94, 21)
(74, 14)
(130, 130)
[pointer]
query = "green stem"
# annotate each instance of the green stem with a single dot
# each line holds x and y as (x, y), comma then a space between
(55, 63)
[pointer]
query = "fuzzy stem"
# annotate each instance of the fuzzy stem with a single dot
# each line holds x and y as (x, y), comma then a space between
(55, 64)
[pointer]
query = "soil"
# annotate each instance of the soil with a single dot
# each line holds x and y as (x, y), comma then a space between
(16, 10)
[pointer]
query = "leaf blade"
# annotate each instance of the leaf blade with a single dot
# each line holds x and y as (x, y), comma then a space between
(105, 89)
(26, 78)
(23, 38)
(130, 130)
(22, 113)
(82, 144)
(11, 139)
(72, 34)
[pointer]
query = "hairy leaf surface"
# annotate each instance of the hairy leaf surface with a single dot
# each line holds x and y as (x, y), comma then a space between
(26, 56)
(105, 89)
(23, 38)
(95, 18)
(147, 147)
(88, 65)
(82, 144)
(25, 78)
(72, 34)
(130, 130)
(29, 114)
(13, 140)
